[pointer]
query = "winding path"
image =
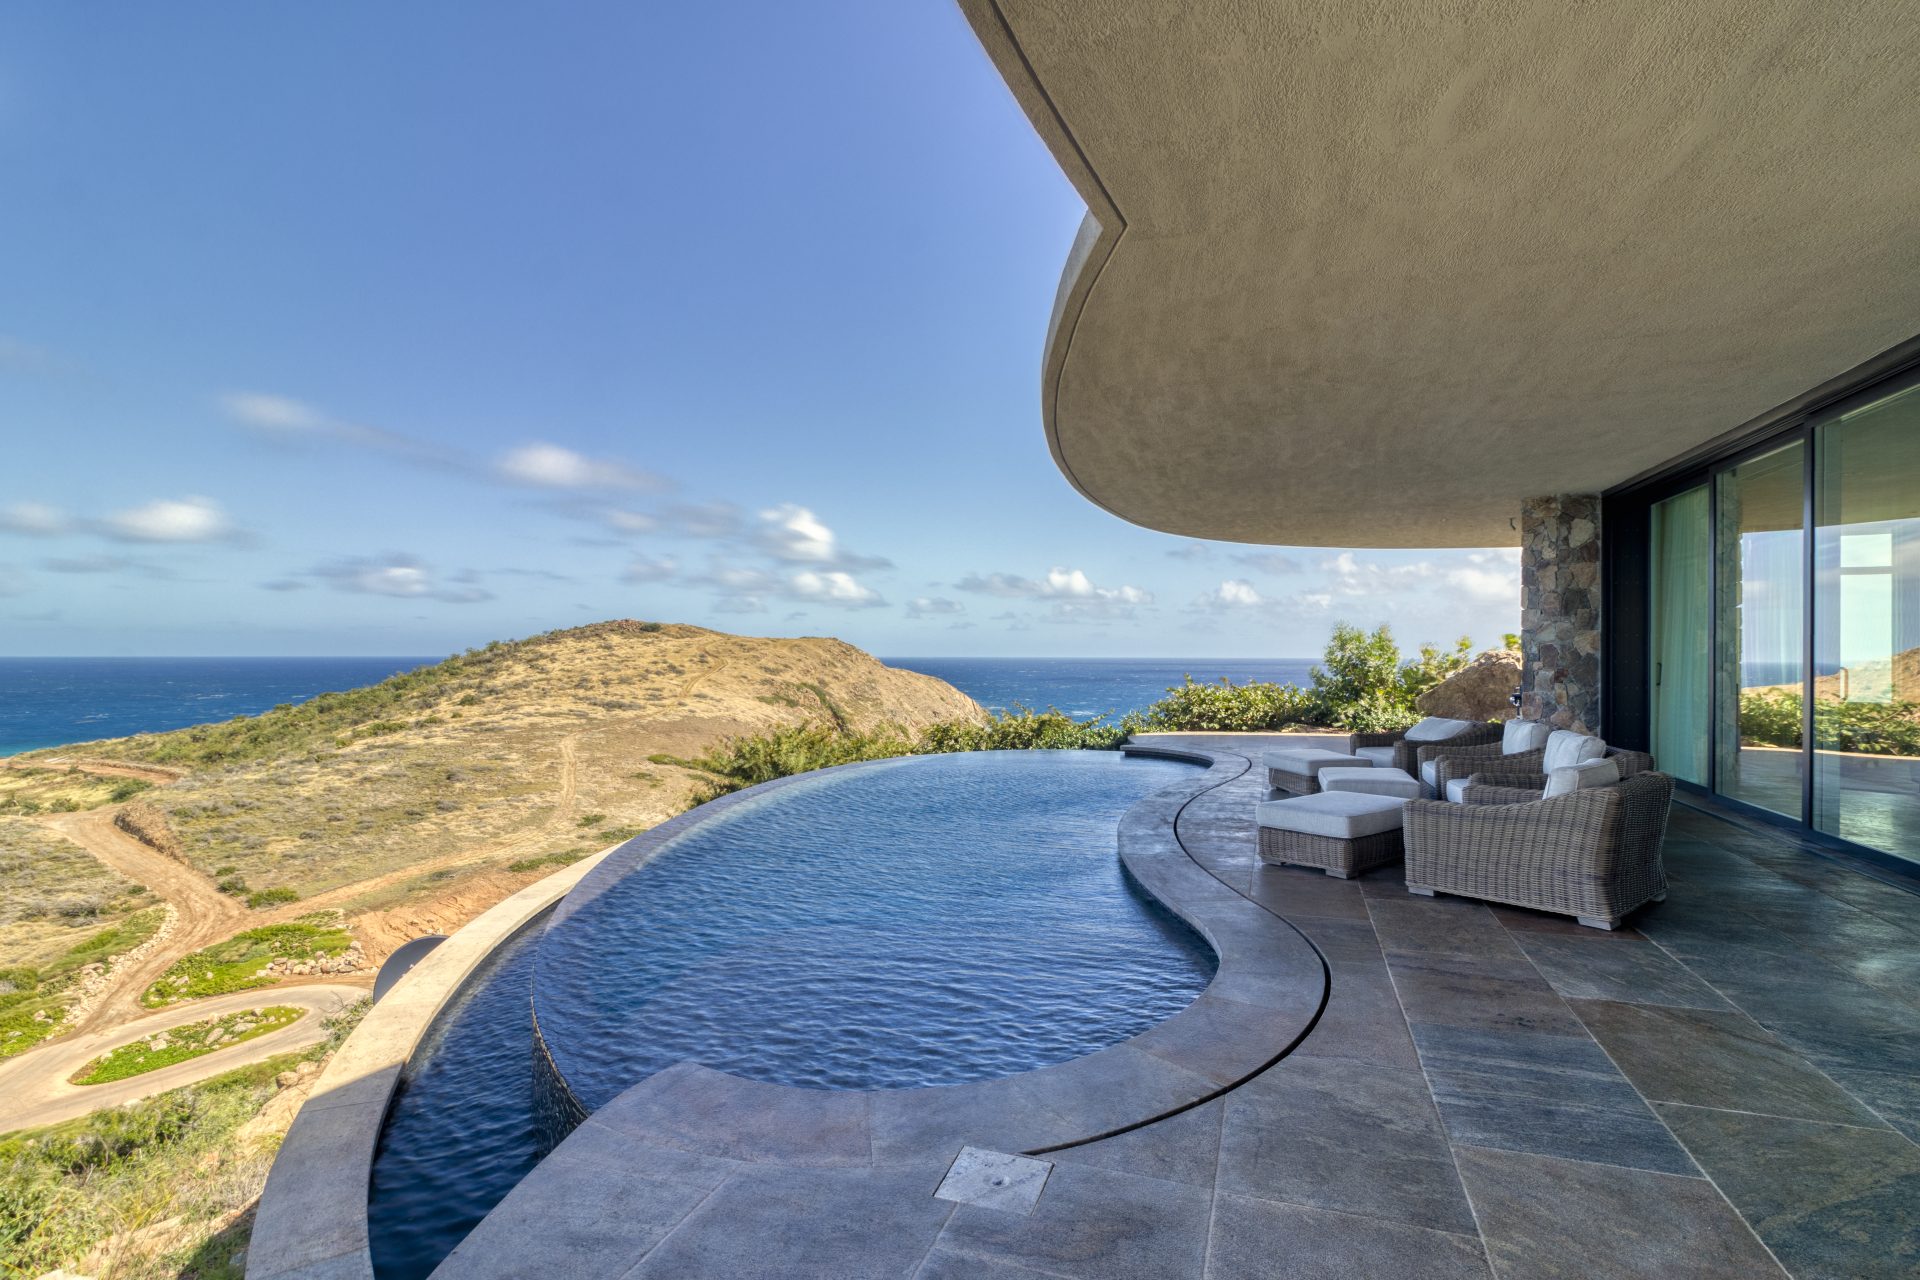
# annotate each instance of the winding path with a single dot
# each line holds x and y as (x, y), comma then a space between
(34, 1088)
(204, 915)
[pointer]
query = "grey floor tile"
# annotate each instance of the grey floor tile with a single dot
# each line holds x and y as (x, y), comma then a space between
(1568, 1220)
(1521, 920)
(943, 1264)
(1093, 1224)
(1449, 926)
(1500, 994)
(1316, 1132)
(1712, 1059)
(807, 1224)
(1345, 943)
(1893, 1095)
(1833, 1203)
(1638, 972)
(1302, 891)
(1183, 1148)
(582, 1225)
(1256, 1239)
(1362, 1022)
(1549, 1095)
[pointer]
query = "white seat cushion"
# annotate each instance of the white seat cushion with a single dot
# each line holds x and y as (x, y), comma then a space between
(1379, 757)
(1342, 815)
(1578, 777)
(1430, 772)
(1372, 782)
(1437, 729)
(1523, 735)
(1311, 760)
(1457, 789)
(1565, 747)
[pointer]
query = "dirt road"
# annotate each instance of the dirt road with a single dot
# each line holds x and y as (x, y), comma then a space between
(204, 914)
(34, 1088)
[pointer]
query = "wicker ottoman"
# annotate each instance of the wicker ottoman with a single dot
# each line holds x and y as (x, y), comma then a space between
(1341, 832)
(1297, 772)
(1397, 783)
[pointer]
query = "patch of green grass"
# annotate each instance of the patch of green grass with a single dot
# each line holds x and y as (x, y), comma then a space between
(271, 897)
(235, 965)
(564, 858)
(185, 1043)
(34, 999)
(127, 789)
(591, 820)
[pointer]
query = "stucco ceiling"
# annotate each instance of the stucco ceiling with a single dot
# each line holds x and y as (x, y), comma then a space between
(1369, 274)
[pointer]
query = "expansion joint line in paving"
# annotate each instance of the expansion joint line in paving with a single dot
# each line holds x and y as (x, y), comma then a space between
(1326, 983)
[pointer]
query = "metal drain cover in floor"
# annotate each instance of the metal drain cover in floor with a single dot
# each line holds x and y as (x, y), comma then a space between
(994, 1180)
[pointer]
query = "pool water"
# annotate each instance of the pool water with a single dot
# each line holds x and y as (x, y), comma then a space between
(465, 1126)
(926, 921)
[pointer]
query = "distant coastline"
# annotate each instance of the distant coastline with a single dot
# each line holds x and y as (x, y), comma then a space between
(50, 702)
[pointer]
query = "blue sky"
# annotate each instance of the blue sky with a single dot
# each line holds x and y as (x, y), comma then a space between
(394, 329)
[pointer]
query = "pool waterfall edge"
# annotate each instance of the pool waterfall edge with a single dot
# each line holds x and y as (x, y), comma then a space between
(1265, 996)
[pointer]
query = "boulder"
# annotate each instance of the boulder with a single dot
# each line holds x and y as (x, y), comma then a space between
(1478, 691)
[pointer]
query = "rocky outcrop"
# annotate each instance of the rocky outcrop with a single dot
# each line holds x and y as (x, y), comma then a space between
(1478, 691)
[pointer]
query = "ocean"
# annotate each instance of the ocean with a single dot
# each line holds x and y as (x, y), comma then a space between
(49, 702)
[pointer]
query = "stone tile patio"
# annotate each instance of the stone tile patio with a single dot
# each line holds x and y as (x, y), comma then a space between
(1727, 1089)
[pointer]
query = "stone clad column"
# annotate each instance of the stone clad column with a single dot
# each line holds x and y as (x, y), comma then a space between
(1560, 610)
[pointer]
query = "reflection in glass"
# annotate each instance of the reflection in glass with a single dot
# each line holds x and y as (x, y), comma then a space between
(1760, 670)
(1682, 531)
(1867, 626)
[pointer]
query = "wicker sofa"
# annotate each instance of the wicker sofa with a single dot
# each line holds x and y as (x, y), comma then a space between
(1593, 854)
(1406, 754)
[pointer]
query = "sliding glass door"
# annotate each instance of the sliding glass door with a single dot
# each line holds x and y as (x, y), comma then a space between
(1866, 704)
(1760, 608)
(1680, 617)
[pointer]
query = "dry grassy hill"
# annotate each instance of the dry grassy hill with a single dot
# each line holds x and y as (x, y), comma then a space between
(414, 804)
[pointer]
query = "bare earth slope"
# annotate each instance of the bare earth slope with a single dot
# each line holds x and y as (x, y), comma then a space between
(415, 804)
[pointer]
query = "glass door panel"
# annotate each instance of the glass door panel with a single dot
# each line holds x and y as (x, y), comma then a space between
(1760, 663)
(1680, 612)
(1866, 707)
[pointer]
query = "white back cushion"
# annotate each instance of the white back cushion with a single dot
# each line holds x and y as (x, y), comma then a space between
(1436, 729)
(1577, 777)
(1565, 747)
(1522, 735)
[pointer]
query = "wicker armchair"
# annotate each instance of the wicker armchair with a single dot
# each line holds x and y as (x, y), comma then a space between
(1520, 771)
(1406, 755)
(1593, 854)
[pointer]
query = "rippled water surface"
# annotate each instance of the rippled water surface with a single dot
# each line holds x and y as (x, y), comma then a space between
(464, 1128)
(926, 921)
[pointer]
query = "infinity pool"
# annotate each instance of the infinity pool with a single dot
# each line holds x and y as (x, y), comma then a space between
(924, 921)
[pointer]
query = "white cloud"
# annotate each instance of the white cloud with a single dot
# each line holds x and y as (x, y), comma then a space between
(12, 581)
(171, 520)
(1059, 584)
(793, 533)
(551, 466)
(834, 587)
(272, 413)
(1237, 592)
(705, 519)
(647, 569)
(1191, 551)
(398, 576)
(632, 521)
(35, 518)
(933, 607)
(1269, 562)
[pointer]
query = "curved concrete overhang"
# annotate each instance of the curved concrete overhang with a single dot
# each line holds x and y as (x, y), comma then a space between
(1370, 275)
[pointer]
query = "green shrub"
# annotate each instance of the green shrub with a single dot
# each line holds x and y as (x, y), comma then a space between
(127, 789)
(1246, 708)
(272, 897)
(235, 965)
(1772, 717)
(235, 885)
(591, 819)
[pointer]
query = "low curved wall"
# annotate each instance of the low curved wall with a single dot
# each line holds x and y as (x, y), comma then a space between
(312, 1219)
